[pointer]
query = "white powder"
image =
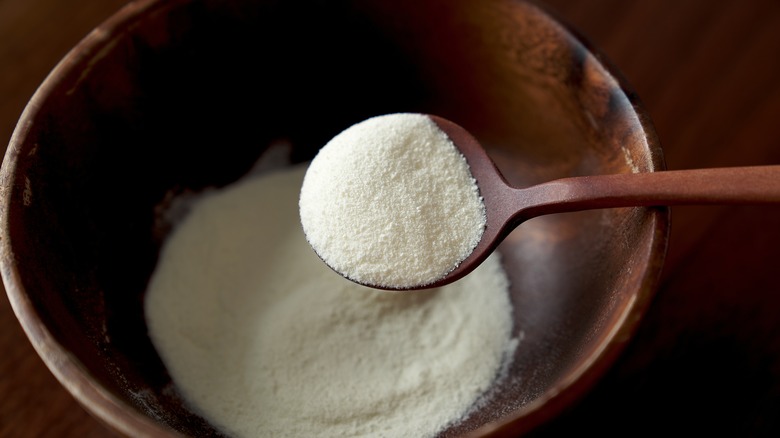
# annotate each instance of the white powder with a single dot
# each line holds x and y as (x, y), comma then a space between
(391, 202)
(264, 340)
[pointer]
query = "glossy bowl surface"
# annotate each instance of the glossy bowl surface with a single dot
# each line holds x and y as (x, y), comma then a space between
(168, 97)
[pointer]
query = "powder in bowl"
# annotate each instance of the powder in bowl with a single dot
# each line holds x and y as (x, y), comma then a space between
(390, 202)
(263, 340)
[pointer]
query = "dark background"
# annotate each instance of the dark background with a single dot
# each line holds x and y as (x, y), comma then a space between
(706, 359)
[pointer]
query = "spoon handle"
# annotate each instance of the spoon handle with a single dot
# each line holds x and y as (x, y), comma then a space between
(729, 185)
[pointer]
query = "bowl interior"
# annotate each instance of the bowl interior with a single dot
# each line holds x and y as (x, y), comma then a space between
(172, 97)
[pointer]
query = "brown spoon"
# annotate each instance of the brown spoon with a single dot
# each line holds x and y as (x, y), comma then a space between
(507, 207)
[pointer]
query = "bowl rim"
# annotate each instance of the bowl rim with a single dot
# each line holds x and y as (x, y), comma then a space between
(568, 392)
(127, 420)
(68, 370)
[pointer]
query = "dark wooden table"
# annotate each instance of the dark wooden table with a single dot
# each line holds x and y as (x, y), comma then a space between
(706, 360)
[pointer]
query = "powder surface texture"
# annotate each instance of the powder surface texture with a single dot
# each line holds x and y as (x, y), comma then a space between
(264, 340)
(391, 202)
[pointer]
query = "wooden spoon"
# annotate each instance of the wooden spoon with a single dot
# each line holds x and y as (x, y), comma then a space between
(507, 206)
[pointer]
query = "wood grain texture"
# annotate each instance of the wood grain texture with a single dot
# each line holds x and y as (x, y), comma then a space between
(706, 360)
(34, 35)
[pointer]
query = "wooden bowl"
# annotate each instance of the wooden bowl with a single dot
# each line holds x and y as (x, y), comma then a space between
(174, 96)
